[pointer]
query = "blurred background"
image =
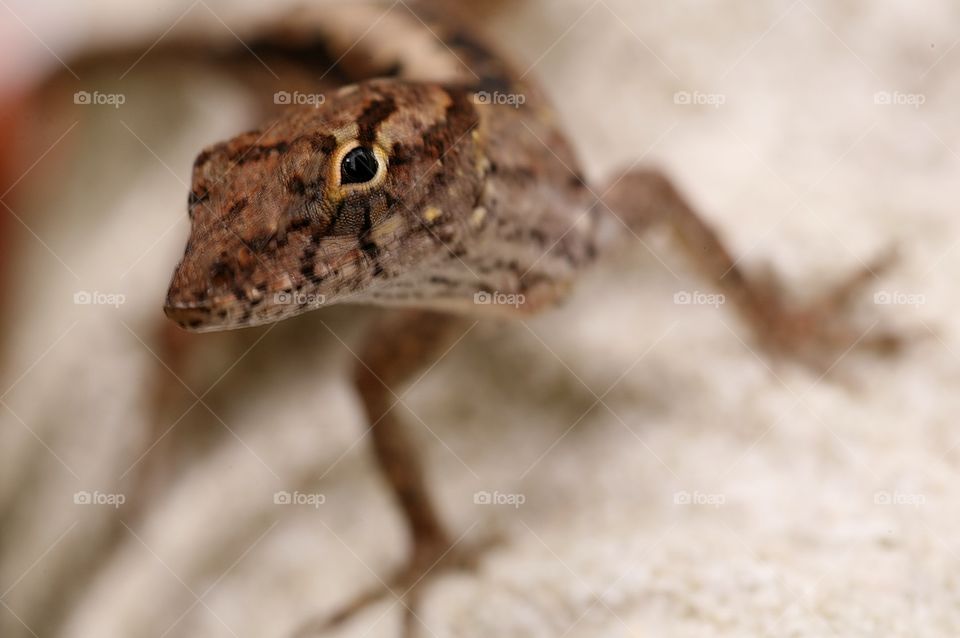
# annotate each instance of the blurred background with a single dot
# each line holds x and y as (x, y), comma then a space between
(652, 474)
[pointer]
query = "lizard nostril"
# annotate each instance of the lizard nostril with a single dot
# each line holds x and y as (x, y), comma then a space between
(260, 243)
(221, 274)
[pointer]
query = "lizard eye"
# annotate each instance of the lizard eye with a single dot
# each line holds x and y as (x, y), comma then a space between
(358, 166)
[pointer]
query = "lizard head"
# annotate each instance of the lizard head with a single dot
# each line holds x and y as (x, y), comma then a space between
(338, 200)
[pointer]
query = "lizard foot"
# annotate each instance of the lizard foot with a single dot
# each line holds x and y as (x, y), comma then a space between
(820, 333)
(431, 560)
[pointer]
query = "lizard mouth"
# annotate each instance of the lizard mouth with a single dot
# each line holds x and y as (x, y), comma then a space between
(190, 315)
(198, 308)
(241, 309)
(210, 317)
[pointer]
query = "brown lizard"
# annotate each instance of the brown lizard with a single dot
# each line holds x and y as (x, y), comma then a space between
(437, 185)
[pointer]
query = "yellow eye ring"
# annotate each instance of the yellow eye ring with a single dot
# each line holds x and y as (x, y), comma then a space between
(360, 163)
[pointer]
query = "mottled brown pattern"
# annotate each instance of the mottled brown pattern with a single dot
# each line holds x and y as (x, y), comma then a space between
(369, 121)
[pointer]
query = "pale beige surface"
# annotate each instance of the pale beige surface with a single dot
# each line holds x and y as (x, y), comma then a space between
(602, 415)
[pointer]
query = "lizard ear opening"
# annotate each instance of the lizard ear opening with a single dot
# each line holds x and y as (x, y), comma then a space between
(358, 168)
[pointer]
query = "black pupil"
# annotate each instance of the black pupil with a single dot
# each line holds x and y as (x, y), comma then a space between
(358, 166)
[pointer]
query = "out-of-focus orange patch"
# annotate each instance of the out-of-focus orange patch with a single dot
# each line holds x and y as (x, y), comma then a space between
(11, 108)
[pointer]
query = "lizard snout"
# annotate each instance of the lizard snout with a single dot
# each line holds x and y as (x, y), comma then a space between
(191, 297)
(205, 292)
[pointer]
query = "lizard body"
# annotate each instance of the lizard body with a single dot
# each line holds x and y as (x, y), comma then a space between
(418, 189)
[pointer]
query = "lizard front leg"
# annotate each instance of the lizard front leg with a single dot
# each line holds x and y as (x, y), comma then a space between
(400, 345)
(815, 334)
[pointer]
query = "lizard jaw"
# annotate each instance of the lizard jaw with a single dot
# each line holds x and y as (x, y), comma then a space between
(248, 307)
